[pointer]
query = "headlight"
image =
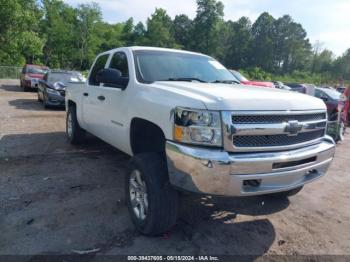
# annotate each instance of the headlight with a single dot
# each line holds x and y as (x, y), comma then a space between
(197, 127)
(27, 78)
(51, 91)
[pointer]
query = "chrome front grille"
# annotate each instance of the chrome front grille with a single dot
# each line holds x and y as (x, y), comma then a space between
(276, 140)
(266, 119)
(247, 131)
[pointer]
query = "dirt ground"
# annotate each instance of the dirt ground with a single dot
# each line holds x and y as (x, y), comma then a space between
(56, 198)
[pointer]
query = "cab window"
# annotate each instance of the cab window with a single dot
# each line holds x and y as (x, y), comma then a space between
(99, 64)
(119, 61)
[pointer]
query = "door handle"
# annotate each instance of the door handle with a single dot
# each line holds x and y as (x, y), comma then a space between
(101, 98)
(86, 94)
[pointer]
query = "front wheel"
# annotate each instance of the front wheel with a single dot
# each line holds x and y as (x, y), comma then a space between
(151, 200)
(75, 133)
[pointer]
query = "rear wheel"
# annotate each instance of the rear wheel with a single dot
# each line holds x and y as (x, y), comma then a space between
(74, 132)
(286, 194)
(151, 200)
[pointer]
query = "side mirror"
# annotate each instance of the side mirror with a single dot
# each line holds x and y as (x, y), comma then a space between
(111, 77)
(325, 99)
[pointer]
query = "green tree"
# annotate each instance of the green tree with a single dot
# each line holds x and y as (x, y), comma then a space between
(262, 47)
(341, 67)
(139, 34)
(182, 31)
(160, 30)
(58, 28)
(322, 60)
(237, 43)
(88, 42)
(292, 47)
(110, 36)
(206, 26)
(19, 27)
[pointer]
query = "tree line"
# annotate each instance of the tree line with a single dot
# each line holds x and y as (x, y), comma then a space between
(56, 34)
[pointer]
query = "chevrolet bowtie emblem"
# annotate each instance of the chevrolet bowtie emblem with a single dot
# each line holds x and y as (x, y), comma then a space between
(293, 127)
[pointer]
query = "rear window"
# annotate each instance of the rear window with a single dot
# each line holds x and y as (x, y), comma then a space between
(36, 70)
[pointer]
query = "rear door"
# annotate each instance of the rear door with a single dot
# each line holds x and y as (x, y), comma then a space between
(90, 102)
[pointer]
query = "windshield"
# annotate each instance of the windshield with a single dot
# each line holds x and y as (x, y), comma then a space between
(65, 77)
(331, 93)
(238, 75)
(174, 66)
(36, 70)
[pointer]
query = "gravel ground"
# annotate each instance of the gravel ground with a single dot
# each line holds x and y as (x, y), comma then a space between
(56, 198)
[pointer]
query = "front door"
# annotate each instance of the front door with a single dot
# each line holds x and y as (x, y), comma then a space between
(91, 104)
(113, 105)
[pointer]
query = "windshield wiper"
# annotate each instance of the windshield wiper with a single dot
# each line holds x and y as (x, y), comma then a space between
(187, 79)
(226, 82)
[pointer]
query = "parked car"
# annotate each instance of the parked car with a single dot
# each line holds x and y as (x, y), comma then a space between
(51, 89)
(280, 85)
(300, 88)
(187, 126)
(332, 99)
(341, 89)
(345, 108)
(30, 76)
(243, 80)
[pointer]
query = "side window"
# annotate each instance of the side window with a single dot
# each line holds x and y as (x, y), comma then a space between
(46, 76)
(321, 95)
(317, 93)
(120, 62)
(100, 64)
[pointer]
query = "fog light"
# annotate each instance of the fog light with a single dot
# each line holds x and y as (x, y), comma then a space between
(252, 182)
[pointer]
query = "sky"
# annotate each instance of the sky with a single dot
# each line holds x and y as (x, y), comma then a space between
(327, 21)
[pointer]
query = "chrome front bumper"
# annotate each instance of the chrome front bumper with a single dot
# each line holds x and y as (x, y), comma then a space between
(216, 172)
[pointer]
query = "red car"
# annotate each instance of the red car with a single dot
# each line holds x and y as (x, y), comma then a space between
(245, 81)
(346, 105)
(30, 76)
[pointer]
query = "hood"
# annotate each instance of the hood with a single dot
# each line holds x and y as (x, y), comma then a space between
(240, 97)
(39, 76)
(258, 83)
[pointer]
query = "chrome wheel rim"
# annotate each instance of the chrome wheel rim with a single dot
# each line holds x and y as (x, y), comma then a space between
(138, 195)
(69, 125)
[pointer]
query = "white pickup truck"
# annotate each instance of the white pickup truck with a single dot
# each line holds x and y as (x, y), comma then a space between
(189, 125)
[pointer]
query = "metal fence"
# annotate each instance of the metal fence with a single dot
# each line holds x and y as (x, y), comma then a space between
(10, 72)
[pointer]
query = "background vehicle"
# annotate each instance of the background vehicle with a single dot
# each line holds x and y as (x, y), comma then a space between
(301, 88)
(245, 81)
(280, 85)
(51, 89)
(30, 76)
(188, 125)
(332, 98)
(341, 89)
(345, 101)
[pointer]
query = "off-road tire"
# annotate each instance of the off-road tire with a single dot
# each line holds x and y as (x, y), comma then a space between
(162, 198)
(77, 134)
